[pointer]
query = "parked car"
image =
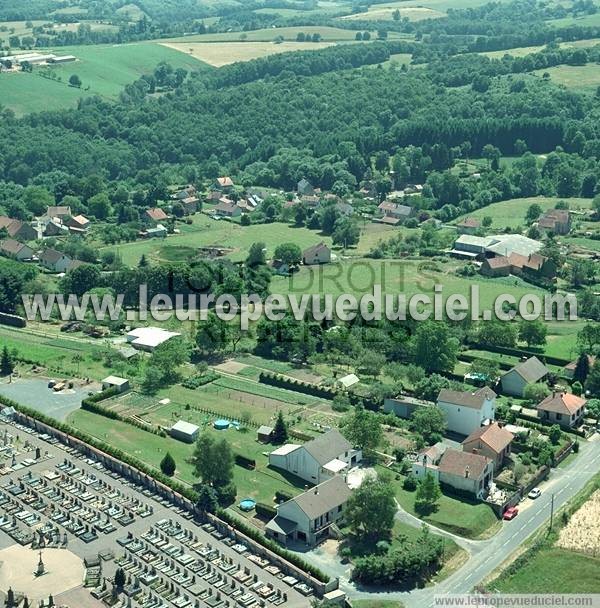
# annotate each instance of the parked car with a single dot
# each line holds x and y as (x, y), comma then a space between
(511, 513)
(535, 493)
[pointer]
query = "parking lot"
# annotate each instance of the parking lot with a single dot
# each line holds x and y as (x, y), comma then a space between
(71, 510)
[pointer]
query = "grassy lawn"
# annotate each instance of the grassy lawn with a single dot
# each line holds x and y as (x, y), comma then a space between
(395, 277)
(206, 231)
(512, 212)
(49, 349)
(104, 70)
(554, 570)
(457, 516)
(584, 78)
(260, 484)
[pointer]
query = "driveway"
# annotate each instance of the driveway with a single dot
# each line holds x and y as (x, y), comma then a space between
(487, 555)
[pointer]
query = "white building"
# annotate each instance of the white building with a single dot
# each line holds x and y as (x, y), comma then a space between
(185, 431)
(515, 380)
(317, 460)
(115, 382)
(467, 411)
(309, 516)
(148, 338)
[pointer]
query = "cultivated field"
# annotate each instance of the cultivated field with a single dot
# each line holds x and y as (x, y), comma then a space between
(224, 53)
(328, 34)
(582, 533)
(386, 13)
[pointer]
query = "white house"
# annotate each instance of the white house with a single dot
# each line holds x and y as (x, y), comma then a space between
(56, 261)
(317, 460)
(515, 380)
(309, 516)
(466, 411)
(463, 471)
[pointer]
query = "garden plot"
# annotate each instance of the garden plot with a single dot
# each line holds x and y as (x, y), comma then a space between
(582, 533)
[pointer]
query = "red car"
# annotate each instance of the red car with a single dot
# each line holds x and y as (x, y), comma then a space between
(511, 513)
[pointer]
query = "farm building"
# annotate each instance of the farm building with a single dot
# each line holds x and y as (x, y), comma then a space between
(155, 216)
(309, 516)
(21, 231)
(115, 382)
(469, 225)
(184, 431)
(14, 249)
(63, 59)
(148, 338)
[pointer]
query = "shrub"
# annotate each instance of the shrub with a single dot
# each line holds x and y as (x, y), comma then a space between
(410, 483)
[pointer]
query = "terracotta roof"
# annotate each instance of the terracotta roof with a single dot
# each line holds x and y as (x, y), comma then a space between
(474, 399)
(156, 214)
(455, 462)
(225, 182)
(499, 262)
(573, 365)
(494, 436)
(562, 403)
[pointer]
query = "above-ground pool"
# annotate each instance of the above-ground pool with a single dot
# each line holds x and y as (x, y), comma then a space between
(247, 504)
(221, 424)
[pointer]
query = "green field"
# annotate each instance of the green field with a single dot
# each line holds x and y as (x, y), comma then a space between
(511, 213)
(584, 78)
(385, 12)
(554, 570)
(206, 231)
(103, 69)
(584, 20)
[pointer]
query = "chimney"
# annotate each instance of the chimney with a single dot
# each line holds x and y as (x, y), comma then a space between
(467, 472)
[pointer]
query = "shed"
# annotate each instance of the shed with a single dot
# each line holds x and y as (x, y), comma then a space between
(264, 434)
(115, 382)
(349, 380)
(185, 431)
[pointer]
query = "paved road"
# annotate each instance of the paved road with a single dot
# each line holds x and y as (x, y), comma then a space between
(487, 555)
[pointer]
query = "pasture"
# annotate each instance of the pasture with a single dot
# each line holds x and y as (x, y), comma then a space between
(206, 232)
(585, 78)
(511, 213)
(224, 53)
(103, 69)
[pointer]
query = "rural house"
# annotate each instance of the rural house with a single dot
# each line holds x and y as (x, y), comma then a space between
(223, 184)
(155, 216)
(564, 409)
(187, 192)
(305, 188)
(55, 228)
(15, 250)
(557, 221)
(189, 204)
(318, 459)
(396, 211)
(569, 369)
(534, 265)
(57, 212)
(55, 261)
(318, 254)
(308, 517)
(470, 225)
(462, 471)
(515, 380)
(492, 441)
(16, 229)
(466, 411)
(228, 209)
(78, 223)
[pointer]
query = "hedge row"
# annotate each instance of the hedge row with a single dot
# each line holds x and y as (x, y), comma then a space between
(519, 352)
(243, 461)
(321, 392)
(200, 380)
(265, 510)
(12, 320)
(181, 489)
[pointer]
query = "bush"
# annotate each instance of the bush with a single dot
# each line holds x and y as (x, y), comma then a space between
(265, 510)
(226, 494)
(410, 483)
(247, 463)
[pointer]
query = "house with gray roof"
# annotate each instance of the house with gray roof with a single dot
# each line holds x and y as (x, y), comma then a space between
(466, 411)
(309, 517)
(317, 460)
(515, 380)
